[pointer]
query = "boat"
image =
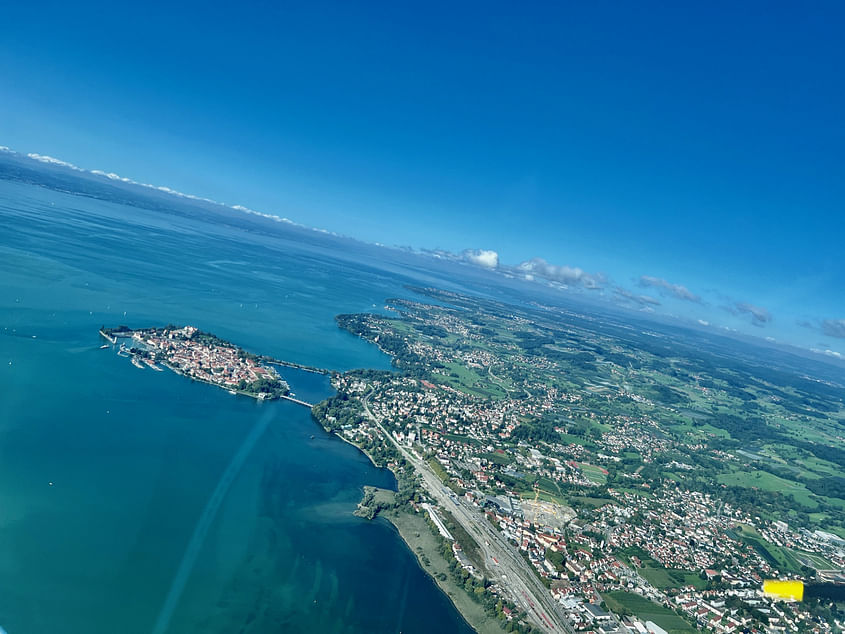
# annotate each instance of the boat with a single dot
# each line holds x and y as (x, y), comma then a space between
(104, 346)
(232, 392)
(137, 363)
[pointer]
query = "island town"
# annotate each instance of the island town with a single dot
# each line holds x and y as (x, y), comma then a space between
(199, 356)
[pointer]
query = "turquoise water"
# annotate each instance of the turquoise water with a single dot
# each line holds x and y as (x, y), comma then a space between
(175, 506)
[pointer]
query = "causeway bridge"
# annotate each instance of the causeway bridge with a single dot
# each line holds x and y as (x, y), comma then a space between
(297, 401)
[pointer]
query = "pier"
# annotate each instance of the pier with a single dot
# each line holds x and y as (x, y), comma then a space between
(111, 339)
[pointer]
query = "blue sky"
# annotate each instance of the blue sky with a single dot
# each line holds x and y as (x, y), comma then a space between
(702, 145)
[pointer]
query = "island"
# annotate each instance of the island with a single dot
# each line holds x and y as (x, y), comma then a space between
(201, 356)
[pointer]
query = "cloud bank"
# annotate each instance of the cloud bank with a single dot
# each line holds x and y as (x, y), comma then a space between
(43, 158)
(571, 276)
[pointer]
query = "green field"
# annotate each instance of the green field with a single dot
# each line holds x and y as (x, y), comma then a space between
(623, 602)
(663, 578)
(769, 482)
(633, 491)
(577, 500)
(547, 490)
(593, 473)
(548, 497)
(463, 439)
(438, 470)
(468, 381)
(782, 558)
(498, 458)
(574, 440)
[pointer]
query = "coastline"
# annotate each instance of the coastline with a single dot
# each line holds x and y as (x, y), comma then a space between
(418, 539)
(361, 449)
(207, 382)
(417, 536)
(410, 525)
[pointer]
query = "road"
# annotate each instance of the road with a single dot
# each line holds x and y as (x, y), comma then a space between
(502, 559)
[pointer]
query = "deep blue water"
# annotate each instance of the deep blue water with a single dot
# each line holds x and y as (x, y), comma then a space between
(175, 506)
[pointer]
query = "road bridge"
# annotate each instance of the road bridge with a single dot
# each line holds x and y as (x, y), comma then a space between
(297, 401)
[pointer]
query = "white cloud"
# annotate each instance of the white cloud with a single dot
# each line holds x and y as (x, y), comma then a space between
(567, 275)
(173, 192)
(113, 176)
(247, 210)
(167, 190)
(43, 158)
(482, 257)
(828, 353)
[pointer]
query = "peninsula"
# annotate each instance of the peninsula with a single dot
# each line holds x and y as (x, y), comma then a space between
(200, 356)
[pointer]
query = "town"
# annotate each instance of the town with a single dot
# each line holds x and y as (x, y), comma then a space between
(632, 512)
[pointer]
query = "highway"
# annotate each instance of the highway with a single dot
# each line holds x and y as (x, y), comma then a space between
(504, 563)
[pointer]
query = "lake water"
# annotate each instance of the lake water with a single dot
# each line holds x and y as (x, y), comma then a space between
(175, 506)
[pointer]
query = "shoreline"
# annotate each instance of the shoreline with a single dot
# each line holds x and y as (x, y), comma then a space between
(207, 382)
(412, 527)
(409, 524)
(417, 538)
(362, 450)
